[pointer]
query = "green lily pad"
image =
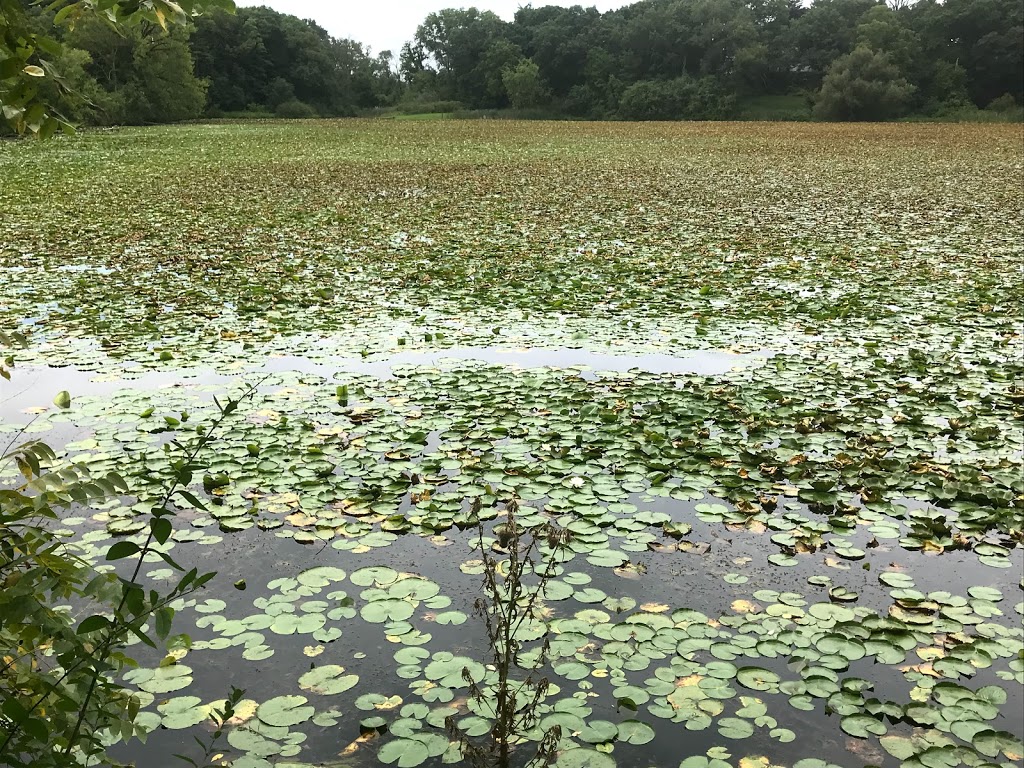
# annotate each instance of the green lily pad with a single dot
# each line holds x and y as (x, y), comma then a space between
(580, 757)
(405, 753)
(328, 680)
(635, 732)
(183, 712)
(863, 726)
(757, 679)
(734, 728)
(285, 711)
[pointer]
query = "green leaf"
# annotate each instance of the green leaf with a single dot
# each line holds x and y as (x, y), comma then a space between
(992, 743)
(167, 679)
(405, 753)
(381, 611)
(734, 728)
(863, 726)
(382, 576)
(92, 624)
(191, 499)
(900, 747)
(757, 679)
(285, 711)
(161, 528)
(63, 399)
(183, 712)
(123, 549)
(164, 618)
(328, 680)
(598, 732)
(635, 732)
(581, 757)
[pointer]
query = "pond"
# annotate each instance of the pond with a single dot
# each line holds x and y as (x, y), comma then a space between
(606, 486)
(673, 620)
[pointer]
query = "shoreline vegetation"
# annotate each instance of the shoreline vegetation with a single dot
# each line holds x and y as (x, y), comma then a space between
(656, 60)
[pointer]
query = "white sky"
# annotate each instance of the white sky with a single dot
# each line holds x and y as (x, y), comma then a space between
(386, 24)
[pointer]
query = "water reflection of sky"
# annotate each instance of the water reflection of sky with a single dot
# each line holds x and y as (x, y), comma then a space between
(36, 386)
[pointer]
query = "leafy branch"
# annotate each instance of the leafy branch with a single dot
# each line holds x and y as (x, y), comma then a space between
(508, 603)
(89, 666)
(27, 57)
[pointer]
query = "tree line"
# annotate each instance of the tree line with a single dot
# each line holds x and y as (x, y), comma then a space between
(651, 60)
(669, 59)
(251, 61)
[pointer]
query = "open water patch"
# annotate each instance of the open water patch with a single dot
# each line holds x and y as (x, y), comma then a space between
(32, 388)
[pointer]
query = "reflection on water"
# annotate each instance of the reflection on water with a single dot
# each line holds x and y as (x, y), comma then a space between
(35, 387)
(703, 362)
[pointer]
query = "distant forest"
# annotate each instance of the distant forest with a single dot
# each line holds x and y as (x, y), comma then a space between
(652, 60)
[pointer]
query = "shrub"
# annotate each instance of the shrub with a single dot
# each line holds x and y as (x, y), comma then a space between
(242, 115)
(791, 107)
(650, 100)
(295, 110)
(1004, 103)
(424, 107)
(680, 99)
(279, 91)
(59, 695)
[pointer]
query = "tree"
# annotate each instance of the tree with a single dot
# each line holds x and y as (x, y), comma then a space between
(824, 33)
(73, 92)
(262, 59)
(259, 60)
(945, 88)
(458, 42)
(230, 55)
(28, 55)
(524, 85)
(145, 75)
(984, 37)
(753, 68)
(882, 29)
(863, 85)
(999, 65)
(412, 60)
(562, 42)
(723, 29)
(501, 55)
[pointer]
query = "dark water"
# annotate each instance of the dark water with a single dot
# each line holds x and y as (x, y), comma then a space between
(681, 580)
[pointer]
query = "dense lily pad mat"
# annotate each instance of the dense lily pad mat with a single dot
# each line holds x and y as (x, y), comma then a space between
(812, 559)
(195, 241)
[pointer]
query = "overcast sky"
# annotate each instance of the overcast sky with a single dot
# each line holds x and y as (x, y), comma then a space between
(386, 24)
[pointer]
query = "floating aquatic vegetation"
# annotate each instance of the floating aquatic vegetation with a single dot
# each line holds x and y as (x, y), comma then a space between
(812, 559)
